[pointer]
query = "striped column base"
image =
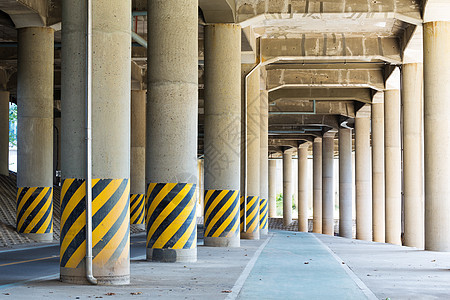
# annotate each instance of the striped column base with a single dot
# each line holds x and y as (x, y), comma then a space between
(222, 218)
(263, 216)
(137, 209)
(110, 231)
(251, 220)
(171, 222)
(35, 213)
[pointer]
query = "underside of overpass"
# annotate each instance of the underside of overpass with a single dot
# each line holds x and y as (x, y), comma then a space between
(169, 117)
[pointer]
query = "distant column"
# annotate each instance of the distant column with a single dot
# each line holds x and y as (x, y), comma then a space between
(412, 98)
(393, 167)
(328, 183)
(303, 188)
(317, 185)
(363, 178)
(272, 188)
(345, 183)
(287, 188)
(264, 173)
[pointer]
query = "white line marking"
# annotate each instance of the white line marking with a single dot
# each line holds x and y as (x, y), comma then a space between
(369, 294)
(244, 275)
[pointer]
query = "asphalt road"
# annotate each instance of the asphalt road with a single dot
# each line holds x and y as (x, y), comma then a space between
(19, 266)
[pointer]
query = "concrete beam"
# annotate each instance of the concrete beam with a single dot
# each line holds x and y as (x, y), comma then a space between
(218, 11)
(332, 46)
(283, 106)
(26, 13)
(340, 94)
(293, 122)
(280, 78)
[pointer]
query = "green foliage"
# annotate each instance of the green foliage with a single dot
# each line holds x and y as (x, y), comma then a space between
(13, 125)
(280, 204)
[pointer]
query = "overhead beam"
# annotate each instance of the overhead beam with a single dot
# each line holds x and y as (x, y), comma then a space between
(26, 13)
(293, 122)
(332, 47)
(286, 106)
(280, 78)
(330, 94)
(218, 11)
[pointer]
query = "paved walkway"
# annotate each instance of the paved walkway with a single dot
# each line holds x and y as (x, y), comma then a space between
(299, 266)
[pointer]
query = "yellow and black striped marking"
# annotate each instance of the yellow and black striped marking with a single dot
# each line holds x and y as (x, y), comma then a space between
(221, 213)
(263, 214)
(252, 214)
(35, 210)
(137, 208)
(171, 216)
(110, 222)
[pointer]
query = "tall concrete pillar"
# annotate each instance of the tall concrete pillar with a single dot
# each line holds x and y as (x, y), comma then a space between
(363, 177)
(111, 142)
(303, 188)
(287, 188)
(4, 133)
(272, 188)
(345, 183)
(328, 183)
(378, 205)
(35, 133)
(172, 130)
(317, 185)
(137, 168)
(412, 97)
(393, 167)
(437, 141)
(222, 134)
(201, 188)
(264, 173)
(250, 230)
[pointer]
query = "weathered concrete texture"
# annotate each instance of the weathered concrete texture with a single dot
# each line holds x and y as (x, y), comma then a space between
(272, 188)
(317, 185)
(137, 170)
(303, 187)
(344, 108)
(328, 94)
(264, 164)
(412, 98)
(111, 74)
(277, 78)
(363, 178)
(4, 133)
(345, 183)
(223, 118)
(328, 183)
(287, 188)
(378, 205)
(393, 167)
(253, 140)
(437, 142)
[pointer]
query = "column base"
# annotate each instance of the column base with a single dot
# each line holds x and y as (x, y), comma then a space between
(264, 231)
(172, 255)
(39, 237)
(233, 242)
(250, 235)
(77, 276)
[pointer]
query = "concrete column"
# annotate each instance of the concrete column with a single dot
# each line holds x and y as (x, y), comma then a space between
(272, 188)
(328, 183)
(378, 205)
(35, 133)
(250, 230)
(345, 183)
(110, 141)
(303, 188)
(317, 185)
(137, 169)
(412, 97)
(201, 188)
(222, 134)
(4, 133)
(172, 130)
(264, 173)
(393, 167)
(363, 178)
(287, 188)
(437, 140)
